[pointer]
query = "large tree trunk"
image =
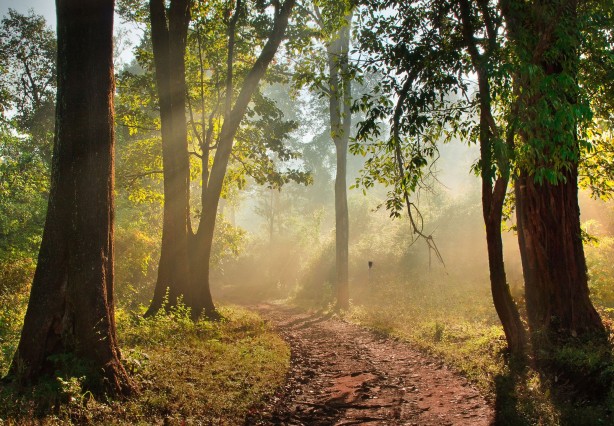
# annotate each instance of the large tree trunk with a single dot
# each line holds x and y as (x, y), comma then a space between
(546, 38)
(71, 307)
(552, 255)
(203, 240)
(339, 83)
(169, 45)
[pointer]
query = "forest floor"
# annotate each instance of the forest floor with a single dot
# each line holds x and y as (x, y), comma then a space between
(343, 374)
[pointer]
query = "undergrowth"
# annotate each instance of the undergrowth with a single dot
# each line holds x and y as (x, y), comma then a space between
(14, 294)
(187, 373)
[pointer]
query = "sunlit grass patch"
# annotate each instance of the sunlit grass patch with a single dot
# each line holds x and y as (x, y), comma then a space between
(197, 373)
(469, 346)
(456, 322)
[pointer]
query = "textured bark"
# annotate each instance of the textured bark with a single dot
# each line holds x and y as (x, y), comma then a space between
(546, 37)
(493, 197)
(71, 307)
(554, 266)
(203, 240)
(169, 35)
(340, 115)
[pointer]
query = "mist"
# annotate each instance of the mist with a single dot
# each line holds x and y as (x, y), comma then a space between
(288, 252)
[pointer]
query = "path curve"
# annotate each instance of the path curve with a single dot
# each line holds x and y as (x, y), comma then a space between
(342, 374)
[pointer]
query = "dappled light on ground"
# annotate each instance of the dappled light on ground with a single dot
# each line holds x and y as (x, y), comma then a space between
(342, 374)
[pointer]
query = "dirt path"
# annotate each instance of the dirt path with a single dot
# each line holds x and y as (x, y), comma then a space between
(342, 374)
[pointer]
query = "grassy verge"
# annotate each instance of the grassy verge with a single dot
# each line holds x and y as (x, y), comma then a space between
(457, 323)
(188, 373)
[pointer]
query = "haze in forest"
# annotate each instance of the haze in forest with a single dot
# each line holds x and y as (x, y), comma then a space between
(200, 199)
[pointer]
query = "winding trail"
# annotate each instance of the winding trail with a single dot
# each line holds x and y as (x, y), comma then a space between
(342, 374)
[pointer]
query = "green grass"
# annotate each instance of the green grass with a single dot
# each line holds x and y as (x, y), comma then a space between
(204, 372)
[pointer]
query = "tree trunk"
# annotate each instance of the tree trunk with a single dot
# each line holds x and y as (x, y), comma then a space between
(200, 259)
(546, 38)
(492, 202)
(169, 45)
(342, 226)
(493, 197)
(339, 84)
(203, 240)
(554, 267)
(71, 308)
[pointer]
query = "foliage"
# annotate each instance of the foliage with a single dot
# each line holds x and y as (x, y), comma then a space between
(315, 285)
(15, 277)
(457, 224)
(595, 78)
(24, 188)
(139, 151)
(419, 93)
(280, 256)
(260, 150)
(600, 269)
(27, 96)
(427, 93)
(320, 23)
(596, 168)
(27, 83)
(561, 86)
(228, 242)
(424, 94)
(136, 265)
(137, 245)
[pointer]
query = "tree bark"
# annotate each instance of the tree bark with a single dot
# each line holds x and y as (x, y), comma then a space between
(169, 34)
(554, 266)
(339, 84)
(71, 309)
(546, 39)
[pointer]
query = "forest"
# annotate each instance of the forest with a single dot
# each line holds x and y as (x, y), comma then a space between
(307, 212)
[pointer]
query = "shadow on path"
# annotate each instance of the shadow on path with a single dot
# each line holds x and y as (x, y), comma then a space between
(342, 374)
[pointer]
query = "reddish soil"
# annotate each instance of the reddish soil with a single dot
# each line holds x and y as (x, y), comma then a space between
(342, 374)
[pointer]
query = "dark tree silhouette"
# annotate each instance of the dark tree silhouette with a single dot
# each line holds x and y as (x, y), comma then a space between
(185, 258)
(169, 31)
